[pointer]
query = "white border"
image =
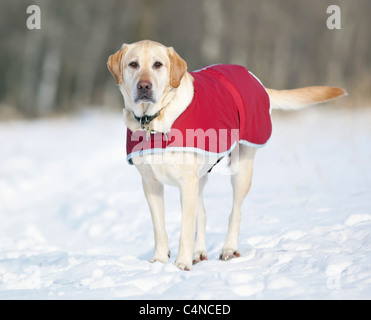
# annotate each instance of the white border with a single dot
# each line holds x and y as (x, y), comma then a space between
(191, 149)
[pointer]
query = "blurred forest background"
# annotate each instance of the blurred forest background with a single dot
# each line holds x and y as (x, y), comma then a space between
(286, 43)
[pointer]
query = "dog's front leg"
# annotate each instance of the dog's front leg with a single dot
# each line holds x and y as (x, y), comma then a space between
(189, 196)
(154, 192)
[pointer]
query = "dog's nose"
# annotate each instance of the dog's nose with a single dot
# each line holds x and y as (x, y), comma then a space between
(144, 85)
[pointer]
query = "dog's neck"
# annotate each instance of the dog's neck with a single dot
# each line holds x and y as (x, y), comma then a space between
(173, 104)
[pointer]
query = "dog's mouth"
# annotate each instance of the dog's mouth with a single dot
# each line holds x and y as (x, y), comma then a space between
(144, 97)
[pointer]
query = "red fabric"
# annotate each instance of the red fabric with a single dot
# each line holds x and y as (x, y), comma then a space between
(229, 106)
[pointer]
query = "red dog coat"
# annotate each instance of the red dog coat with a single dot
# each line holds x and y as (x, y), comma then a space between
(229, 106)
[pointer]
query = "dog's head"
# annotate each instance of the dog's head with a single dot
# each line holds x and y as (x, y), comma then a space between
(146, 72)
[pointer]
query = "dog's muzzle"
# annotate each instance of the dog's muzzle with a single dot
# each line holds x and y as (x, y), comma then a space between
(144, 92)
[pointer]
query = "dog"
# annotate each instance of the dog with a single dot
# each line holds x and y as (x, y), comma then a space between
(158, 93)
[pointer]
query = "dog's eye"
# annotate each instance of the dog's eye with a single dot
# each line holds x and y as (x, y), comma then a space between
(134, 65)
(157, 65)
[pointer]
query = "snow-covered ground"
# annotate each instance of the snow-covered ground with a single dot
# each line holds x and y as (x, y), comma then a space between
(74, 223)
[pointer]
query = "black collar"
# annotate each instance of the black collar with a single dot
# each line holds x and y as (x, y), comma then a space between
(145, 119)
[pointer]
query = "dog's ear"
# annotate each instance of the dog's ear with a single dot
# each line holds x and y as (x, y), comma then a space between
(114, 63)
(178, 68)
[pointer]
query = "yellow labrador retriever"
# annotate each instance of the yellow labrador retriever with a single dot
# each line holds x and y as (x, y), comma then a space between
(157, 90)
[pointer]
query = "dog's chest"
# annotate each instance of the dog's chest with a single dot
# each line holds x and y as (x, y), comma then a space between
(173, 168)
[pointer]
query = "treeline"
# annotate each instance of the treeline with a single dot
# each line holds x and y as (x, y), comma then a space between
(286, 43)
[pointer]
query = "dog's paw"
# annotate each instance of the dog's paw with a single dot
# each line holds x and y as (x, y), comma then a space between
(183, 265)
(228, 254)
(163, 258)
(199, 256)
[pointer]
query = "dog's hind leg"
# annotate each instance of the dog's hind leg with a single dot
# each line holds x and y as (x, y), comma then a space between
(200, 244)
(241, 182)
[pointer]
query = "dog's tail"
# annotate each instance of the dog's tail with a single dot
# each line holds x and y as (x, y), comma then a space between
(300, 98)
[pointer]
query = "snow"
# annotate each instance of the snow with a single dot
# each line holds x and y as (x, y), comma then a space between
(74, 223)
